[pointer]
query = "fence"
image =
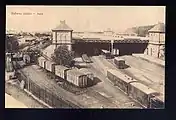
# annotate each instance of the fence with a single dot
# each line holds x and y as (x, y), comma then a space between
(45, 94)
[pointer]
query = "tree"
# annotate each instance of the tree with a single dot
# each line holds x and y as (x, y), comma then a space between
(63, 56)
(12, 44)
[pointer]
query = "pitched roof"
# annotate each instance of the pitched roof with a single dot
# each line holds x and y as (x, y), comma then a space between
(160, 27)
(63, 26)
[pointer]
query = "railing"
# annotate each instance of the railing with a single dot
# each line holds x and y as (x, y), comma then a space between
(45, 94)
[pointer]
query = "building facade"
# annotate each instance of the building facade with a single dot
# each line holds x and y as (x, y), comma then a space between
(62, 35)
(156, 44)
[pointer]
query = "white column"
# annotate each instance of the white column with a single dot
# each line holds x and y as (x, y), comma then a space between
(112, 43)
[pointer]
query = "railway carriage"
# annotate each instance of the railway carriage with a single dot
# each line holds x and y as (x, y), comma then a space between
(42, 62)
(142, 93)
(50, 66)
(157, 102)
(77, 78)
(60, 71)
(120, 80)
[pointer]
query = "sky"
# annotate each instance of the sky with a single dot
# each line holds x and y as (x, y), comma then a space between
(82, 18)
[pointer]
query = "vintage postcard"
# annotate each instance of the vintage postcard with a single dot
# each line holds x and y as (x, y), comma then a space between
(85, 57)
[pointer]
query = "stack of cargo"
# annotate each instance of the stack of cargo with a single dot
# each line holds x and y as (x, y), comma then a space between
(119, 62)
(77, 78)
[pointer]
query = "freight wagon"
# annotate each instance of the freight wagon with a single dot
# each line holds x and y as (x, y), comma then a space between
(142, 93)
(60, 71)
(77, 78)
(120, 63)
(120, 80)
(41, 62)
(106, 54)
(90, 75)
(50, 66)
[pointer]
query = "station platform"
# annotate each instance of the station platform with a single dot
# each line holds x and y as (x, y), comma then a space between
(150, 59)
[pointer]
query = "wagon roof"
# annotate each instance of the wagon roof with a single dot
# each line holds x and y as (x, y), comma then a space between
(75, 72)
(85, 71)
(143, 88)
(61, 67)
(121, 75)
(50, 62)
(119, 59)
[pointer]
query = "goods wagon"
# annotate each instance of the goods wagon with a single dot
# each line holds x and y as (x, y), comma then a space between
(120, 63)
(157, 102)
(120, 80)
(60, 71)
(50, 66)
(90, 75)
(41, 61)
(142, 93)
(77, 78)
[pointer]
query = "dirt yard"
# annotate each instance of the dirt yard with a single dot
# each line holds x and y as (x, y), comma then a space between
(22, 96)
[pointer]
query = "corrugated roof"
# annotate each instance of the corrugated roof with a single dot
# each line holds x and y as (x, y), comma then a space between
(63, 26)
(75, 72)
(143, 88)
(60, 67)
(160, 27)
(85, 71)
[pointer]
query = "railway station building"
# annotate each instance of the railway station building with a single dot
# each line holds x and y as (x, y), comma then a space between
(156, 41)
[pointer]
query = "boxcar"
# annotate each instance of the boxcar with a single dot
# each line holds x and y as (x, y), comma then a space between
(119, 79)
(50, 66)
(90, 75)
(77, 78)
(141, 93)
(60, 71)
(120, 63)
(157, 102)
(41, 61)
(106, 54)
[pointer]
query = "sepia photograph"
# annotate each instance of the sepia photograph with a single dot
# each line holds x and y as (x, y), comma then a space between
(85, 57)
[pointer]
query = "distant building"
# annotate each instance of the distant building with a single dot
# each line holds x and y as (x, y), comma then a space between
(108, 32)
(156, 41)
